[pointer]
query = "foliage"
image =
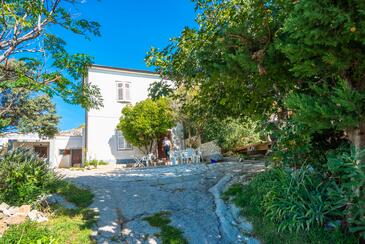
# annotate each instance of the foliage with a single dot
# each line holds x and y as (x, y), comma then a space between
(231, 133)
(296, 144)
(26, 42)
(22, 110)
(23, 177)
(347, 186)
(168, 234)
(231, 57)
(314, 53)
(64, 225)
(146, 121)
(95, 163)
(159, 89)
(79, 196)
(254, 199)
(28, 233)
(322, 107)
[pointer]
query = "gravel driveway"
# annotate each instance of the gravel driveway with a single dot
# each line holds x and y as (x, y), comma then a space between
(124, 196)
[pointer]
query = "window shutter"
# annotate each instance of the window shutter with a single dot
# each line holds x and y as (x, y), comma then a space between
(120, 140)
(127, 92)
(120, 91)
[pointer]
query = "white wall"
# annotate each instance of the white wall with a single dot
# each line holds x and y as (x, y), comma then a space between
(55, 144)
(101, 123)
(64, 142)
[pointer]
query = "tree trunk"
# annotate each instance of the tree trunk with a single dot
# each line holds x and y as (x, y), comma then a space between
(357, 136)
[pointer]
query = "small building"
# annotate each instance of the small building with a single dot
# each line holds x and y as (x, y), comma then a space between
(64, 150)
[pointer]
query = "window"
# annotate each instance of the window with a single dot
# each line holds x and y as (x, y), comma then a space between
(122, 144)
(64, 152)
(123, 91)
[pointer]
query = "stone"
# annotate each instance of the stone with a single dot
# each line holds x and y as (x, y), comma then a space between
(57, 199)
(210, 151)
(2, 216)
(37, 216)
(15, 219)
(3, 227)
(11, 211)
(24, 210)
(3, 206)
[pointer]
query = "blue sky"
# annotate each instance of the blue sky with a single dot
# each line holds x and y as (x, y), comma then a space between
(129, 28)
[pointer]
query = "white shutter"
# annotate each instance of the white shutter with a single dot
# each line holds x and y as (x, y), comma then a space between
(127, 91)
(120, 141)
(120, 95)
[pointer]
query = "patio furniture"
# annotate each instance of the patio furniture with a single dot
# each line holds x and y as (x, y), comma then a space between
(140, 161)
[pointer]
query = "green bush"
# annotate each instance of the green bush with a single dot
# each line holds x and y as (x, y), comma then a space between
(347, 188)
(23, 177)
(231, 133)
(281, 202)
(95, 163)
(301, 203)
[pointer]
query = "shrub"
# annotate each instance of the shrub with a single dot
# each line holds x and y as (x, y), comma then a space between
(23, 176)
(231, 133)
(95, 163)
(301, 205)
(347, 188)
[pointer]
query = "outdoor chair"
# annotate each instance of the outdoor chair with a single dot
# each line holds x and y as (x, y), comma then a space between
(139, 162)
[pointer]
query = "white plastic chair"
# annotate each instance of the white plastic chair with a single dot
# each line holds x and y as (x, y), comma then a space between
(139, 162)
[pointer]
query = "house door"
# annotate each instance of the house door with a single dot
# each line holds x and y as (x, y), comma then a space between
(76, 156)
(42, 151)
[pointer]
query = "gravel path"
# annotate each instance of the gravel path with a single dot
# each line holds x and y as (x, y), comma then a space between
(124, 196)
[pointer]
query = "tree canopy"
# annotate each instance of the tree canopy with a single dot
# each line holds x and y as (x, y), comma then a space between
(145, 122)
(33, 58)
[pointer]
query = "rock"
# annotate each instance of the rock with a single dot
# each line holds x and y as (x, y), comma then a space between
(210, 150)
(11, 211)
(57, 199)
(37, 216)
(15, 219)
(24, 210)
(2, 216)
(3, 227)
(3, 207)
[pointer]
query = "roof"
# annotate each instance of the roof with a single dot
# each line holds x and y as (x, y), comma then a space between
(128, 70)
(71, 132)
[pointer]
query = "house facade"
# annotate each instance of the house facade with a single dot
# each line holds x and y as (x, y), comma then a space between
(99, 139)
(119, 87)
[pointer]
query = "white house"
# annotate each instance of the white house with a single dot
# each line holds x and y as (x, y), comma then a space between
(99, 139)
(64, 150)
(119, 87)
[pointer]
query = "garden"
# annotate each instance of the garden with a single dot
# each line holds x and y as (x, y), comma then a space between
(287, 73)
(27, 183)
(290, 73)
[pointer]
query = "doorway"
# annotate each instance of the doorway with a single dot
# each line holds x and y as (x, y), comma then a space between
(42, 151)
(76, 157)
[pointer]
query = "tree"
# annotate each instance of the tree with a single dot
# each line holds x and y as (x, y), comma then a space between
(26, 41)
(24, 111)
(325, 46)
(145, 122)
(232, 57)
(247, 57)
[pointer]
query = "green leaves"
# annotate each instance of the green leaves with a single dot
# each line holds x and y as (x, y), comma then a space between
(323, 106)
(27, 30)
(23, 177)
(146, 122)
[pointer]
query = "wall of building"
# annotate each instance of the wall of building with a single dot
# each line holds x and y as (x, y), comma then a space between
(101, 123)
(64, 142)
(54, 146)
